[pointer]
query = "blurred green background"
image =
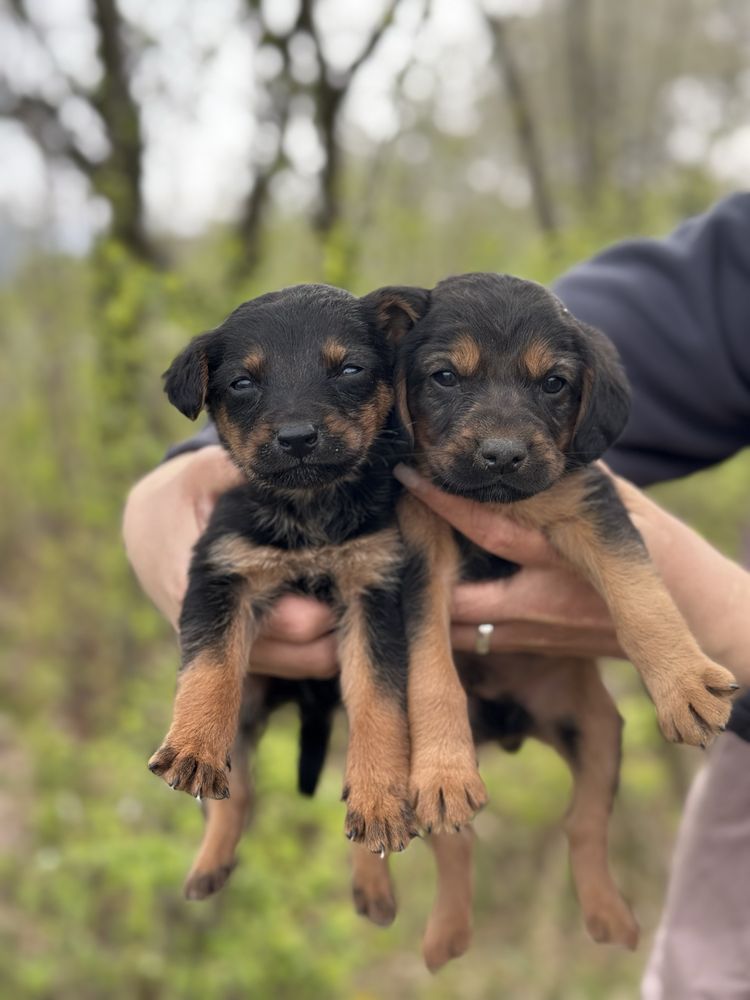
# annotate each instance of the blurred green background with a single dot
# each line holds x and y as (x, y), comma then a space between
(161, 163)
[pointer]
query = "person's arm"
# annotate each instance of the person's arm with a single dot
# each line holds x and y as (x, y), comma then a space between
(678, 311)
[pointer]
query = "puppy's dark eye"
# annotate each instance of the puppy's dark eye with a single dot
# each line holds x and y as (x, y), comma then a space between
(350, 370)
(242, 384)
(553, 384)
(446, 378)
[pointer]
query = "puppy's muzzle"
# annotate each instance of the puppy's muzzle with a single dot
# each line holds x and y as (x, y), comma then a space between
(298, 440)
(502, 455)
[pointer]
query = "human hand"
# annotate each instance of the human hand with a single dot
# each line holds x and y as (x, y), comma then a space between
(165, 514)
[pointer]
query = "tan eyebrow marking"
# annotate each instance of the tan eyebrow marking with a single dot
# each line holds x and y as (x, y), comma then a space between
(253, 361)
(334, 353)
(538, 359)
(465, 355)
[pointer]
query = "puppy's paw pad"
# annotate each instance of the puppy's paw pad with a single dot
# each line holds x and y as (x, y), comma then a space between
(444, 942)
(697, 709)
(447, 798)
(201, 884)
(383, 821)
(190, 772)
(377, 904)
(612, 922)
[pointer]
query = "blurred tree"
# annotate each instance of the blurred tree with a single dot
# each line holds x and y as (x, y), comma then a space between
(116, 172)
(325, 86)
(524, 120)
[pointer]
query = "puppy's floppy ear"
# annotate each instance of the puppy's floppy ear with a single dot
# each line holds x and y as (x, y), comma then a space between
(186, 379)
(394, 310)
(605, 399)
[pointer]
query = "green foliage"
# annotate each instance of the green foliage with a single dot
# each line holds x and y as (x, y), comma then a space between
(94, 848)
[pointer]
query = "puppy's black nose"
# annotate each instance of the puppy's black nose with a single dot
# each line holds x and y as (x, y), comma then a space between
(502, 454)
(298, 439)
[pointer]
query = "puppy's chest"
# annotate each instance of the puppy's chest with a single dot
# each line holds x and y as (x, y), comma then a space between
(349, 568)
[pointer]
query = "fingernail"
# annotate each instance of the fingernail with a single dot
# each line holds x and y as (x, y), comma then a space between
(408, 476)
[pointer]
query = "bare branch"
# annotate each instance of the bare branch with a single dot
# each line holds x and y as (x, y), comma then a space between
(525, 126)
(42, 121)
(374, 38)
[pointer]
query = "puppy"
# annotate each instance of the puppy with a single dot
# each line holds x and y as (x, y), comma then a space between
(299, 384)
(509, 400)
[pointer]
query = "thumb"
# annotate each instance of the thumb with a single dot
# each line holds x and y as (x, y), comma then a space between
(485, 524)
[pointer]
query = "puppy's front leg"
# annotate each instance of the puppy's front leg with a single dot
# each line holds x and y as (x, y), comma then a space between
(217, 628)
(372, 648)
(691, 693)
(446, 787)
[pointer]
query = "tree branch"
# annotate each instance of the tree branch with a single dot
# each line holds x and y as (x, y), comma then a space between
(525, 127)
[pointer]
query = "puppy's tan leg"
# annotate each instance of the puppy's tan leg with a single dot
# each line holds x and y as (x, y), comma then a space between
(445, 784)
(586, 521)
(194, 756)
(588, 737)
(448, 933)
(372, 888)
(225, 821)
(376, 782)
(691, 693)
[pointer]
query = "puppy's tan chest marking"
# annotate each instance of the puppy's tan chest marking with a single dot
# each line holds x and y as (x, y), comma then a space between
(356, 565)
(562, 502)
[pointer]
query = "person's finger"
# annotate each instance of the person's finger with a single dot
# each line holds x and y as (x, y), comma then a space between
(297, 620)
(549, 640)
(482, 523)
(552, 595)
(311, 661)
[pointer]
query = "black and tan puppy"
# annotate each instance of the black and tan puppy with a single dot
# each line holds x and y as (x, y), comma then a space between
(510, 399)
(299, 384)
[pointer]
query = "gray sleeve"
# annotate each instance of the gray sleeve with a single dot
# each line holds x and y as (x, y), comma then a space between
(207, 435)
(678, 310)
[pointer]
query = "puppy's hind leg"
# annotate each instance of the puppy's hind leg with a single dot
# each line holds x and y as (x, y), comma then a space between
(448, 933)
(226, 819)
(372, 888)
(589, 741)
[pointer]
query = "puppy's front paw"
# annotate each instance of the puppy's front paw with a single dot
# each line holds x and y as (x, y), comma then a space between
(380, 819)
(192, 770)
(695, 707)
(446, 795)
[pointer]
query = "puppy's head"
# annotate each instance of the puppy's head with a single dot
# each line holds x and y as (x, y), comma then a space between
(298, 382)
(505, 390)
